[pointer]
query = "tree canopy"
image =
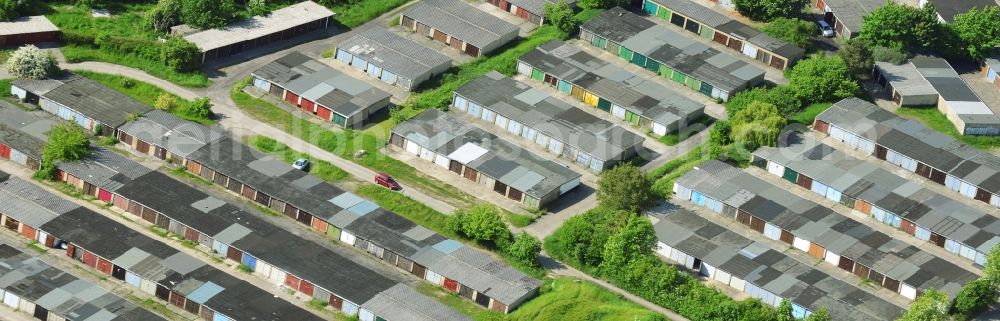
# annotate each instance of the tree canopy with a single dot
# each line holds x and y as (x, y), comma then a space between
(794, 31)
(525, 249)
(902, 27)
(757, 125)
(602, 4)
(857, 57)
(67, 142)
(767, 10)
(166, 14)
(180, 54)
(930, 306)
(9, 10)
(29, 62)
(200, 108)
(634, 240)
(482, 223)
(979, 31)
(625, 187)
(822, 78)
(560, 14)
(208, 14)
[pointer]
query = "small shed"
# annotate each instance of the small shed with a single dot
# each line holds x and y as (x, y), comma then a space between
(459, 25)
(391, 58)
(27, 30)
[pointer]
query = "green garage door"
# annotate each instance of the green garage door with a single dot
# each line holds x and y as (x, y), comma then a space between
(678, 77)
(339, 120)
(649, 7)
(663, 13)
(639, 60)
(599, 42)
(652, 65)
(625, 53)
(666, 71)
(790, 175)
(537, 74)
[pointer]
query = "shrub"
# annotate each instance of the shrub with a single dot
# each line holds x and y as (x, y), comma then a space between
(180, 54)
(560, 15)
(165, 102)
(974, 298)
(524, 249)
(482, 223)
(858, 57)
(757, 125)
(29, 62)
(257, 7)
(794, 31)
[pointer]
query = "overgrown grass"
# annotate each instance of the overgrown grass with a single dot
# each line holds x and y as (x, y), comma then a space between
(691, 129)
(142, 92)
(345, 144)
(5, 87)
(155, 306)
(567, 298)
(183, 173)
(319, 168)
(356, 13)
(519, 220)
(462, 305)
(934, 119)
(807, 115)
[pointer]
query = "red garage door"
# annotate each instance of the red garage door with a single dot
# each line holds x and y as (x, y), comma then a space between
(307, 106)
(451, 284)
(292, 98)
(323, 112)
(4, 151)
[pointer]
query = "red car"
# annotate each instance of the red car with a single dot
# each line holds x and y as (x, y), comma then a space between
(387, 181)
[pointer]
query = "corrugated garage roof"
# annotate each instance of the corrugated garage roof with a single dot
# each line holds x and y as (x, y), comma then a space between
(62, 293)
(752, 261)
(394, 53)
(549, 115)
(163, 129)
(259, 26)
(869, 182)
(160, 263)
(322, 84)
(634, 93)
(461, 20)
(499, 159)
(88, 97)
(839, 234)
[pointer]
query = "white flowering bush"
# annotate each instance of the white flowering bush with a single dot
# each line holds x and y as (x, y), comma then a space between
(29, 62)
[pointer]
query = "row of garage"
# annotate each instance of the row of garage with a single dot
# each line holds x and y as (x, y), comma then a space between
(775, 233)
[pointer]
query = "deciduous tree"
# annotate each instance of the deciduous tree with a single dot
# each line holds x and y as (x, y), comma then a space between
(857, 57)
(200, 108)
(166, 14)
(525, 249)
(767, 10)
(483, 223)
(29, 62)
(974, 298)
(633, 241)
(602, 4)
(8, 10)
(67, 142)
(257, 7)
(626, 188)
(979, 31)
